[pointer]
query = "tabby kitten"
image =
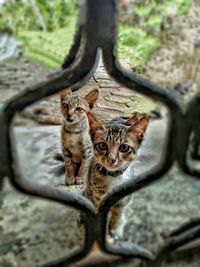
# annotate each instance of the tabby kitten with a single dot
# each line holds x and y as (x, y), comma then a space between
(115, 146)
(77, 149)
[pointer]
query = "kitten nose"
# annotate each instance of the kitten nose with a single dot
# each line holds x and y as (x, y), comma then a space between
(69, 117)
(111, 160)
(70, 112)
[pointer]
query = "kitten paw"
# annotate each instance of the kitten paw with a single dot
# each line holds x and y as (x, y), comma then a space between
(113, 238)
(116, 234)
(110, 239)
(80, 180)
(70, 181)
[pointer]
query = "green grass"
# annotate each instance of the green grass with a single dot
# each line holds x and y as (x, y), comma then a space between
(144, 10)
(48, 48)
(182, 6)
(154, 21)
(135, 44)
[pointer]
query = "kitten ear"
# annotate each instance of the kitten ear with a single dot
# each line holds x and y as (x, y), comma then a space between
(65, 93)
(91, 97)
(94, 123)
(139, 128)
(136, 117)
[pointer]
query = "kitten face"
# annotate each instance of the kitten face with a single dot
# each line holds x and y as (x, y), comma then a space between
(74, 108)
(115, 146)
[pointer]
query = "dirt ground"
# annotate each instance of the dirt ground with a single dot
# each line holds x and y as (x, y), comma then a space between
(34, 231)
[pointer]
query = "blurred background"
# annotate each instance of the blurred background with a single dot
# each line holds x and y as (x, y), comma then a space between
(45, 28)
(157, 39)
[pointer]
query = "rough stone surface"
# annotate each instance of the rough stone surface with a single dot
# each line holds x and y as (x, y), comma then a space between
(9, 47)
(177, 61)
(34, 231)
(39, 230)
(15, 78)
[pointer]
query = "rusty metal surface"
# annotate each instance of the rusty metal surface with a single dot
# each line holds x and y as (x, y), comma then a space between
(96, 31)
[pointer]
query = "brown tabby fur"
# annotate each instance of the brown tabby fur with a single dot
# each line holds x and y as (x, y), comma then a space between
(115, 149)
(77, 149)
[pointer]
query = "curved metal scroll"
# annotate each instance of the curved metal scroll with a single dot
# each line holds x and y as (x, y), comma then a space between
(98, 30)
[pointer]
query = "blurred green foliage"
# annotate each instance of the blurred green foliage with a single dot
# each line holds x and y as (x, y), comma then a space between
(136, 45)
(20, 15)
(138, 35)
(48, 48)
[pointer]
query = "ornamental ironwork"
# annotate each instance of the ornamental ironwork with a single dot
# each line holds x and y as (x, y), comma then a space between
(97, 34)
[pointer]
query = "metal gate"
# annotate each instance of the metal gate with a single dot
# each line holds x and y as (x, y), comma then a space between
(96, 32)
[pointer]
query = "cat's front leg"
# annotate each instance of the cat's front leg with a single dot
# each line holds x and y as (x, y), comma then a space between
(84, 167)
(70, 167)
(116, 212)
(94, 194)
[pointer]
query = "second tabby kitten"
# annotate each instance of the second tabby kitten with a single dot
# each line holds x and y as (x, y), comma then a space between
(77, 147)
(115, 146)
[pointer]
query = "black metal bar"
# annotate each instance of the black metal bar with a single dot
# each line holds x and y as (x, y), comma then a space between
(97, 29)
(186, 226)
(191, 124)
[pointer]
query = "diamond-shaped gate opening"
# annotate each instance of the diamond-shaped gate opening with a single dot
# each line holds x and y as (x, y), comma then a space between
(37, 132)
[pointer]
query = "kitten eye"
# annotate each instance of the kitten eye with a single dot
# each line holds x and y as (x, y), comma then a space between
(124, 148)
(79, 109)
(65, 105)
(102, 146)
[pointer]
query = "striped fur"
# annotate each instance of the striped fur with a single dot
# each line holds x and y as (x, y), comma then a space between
(77, 149)
(115, 146)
